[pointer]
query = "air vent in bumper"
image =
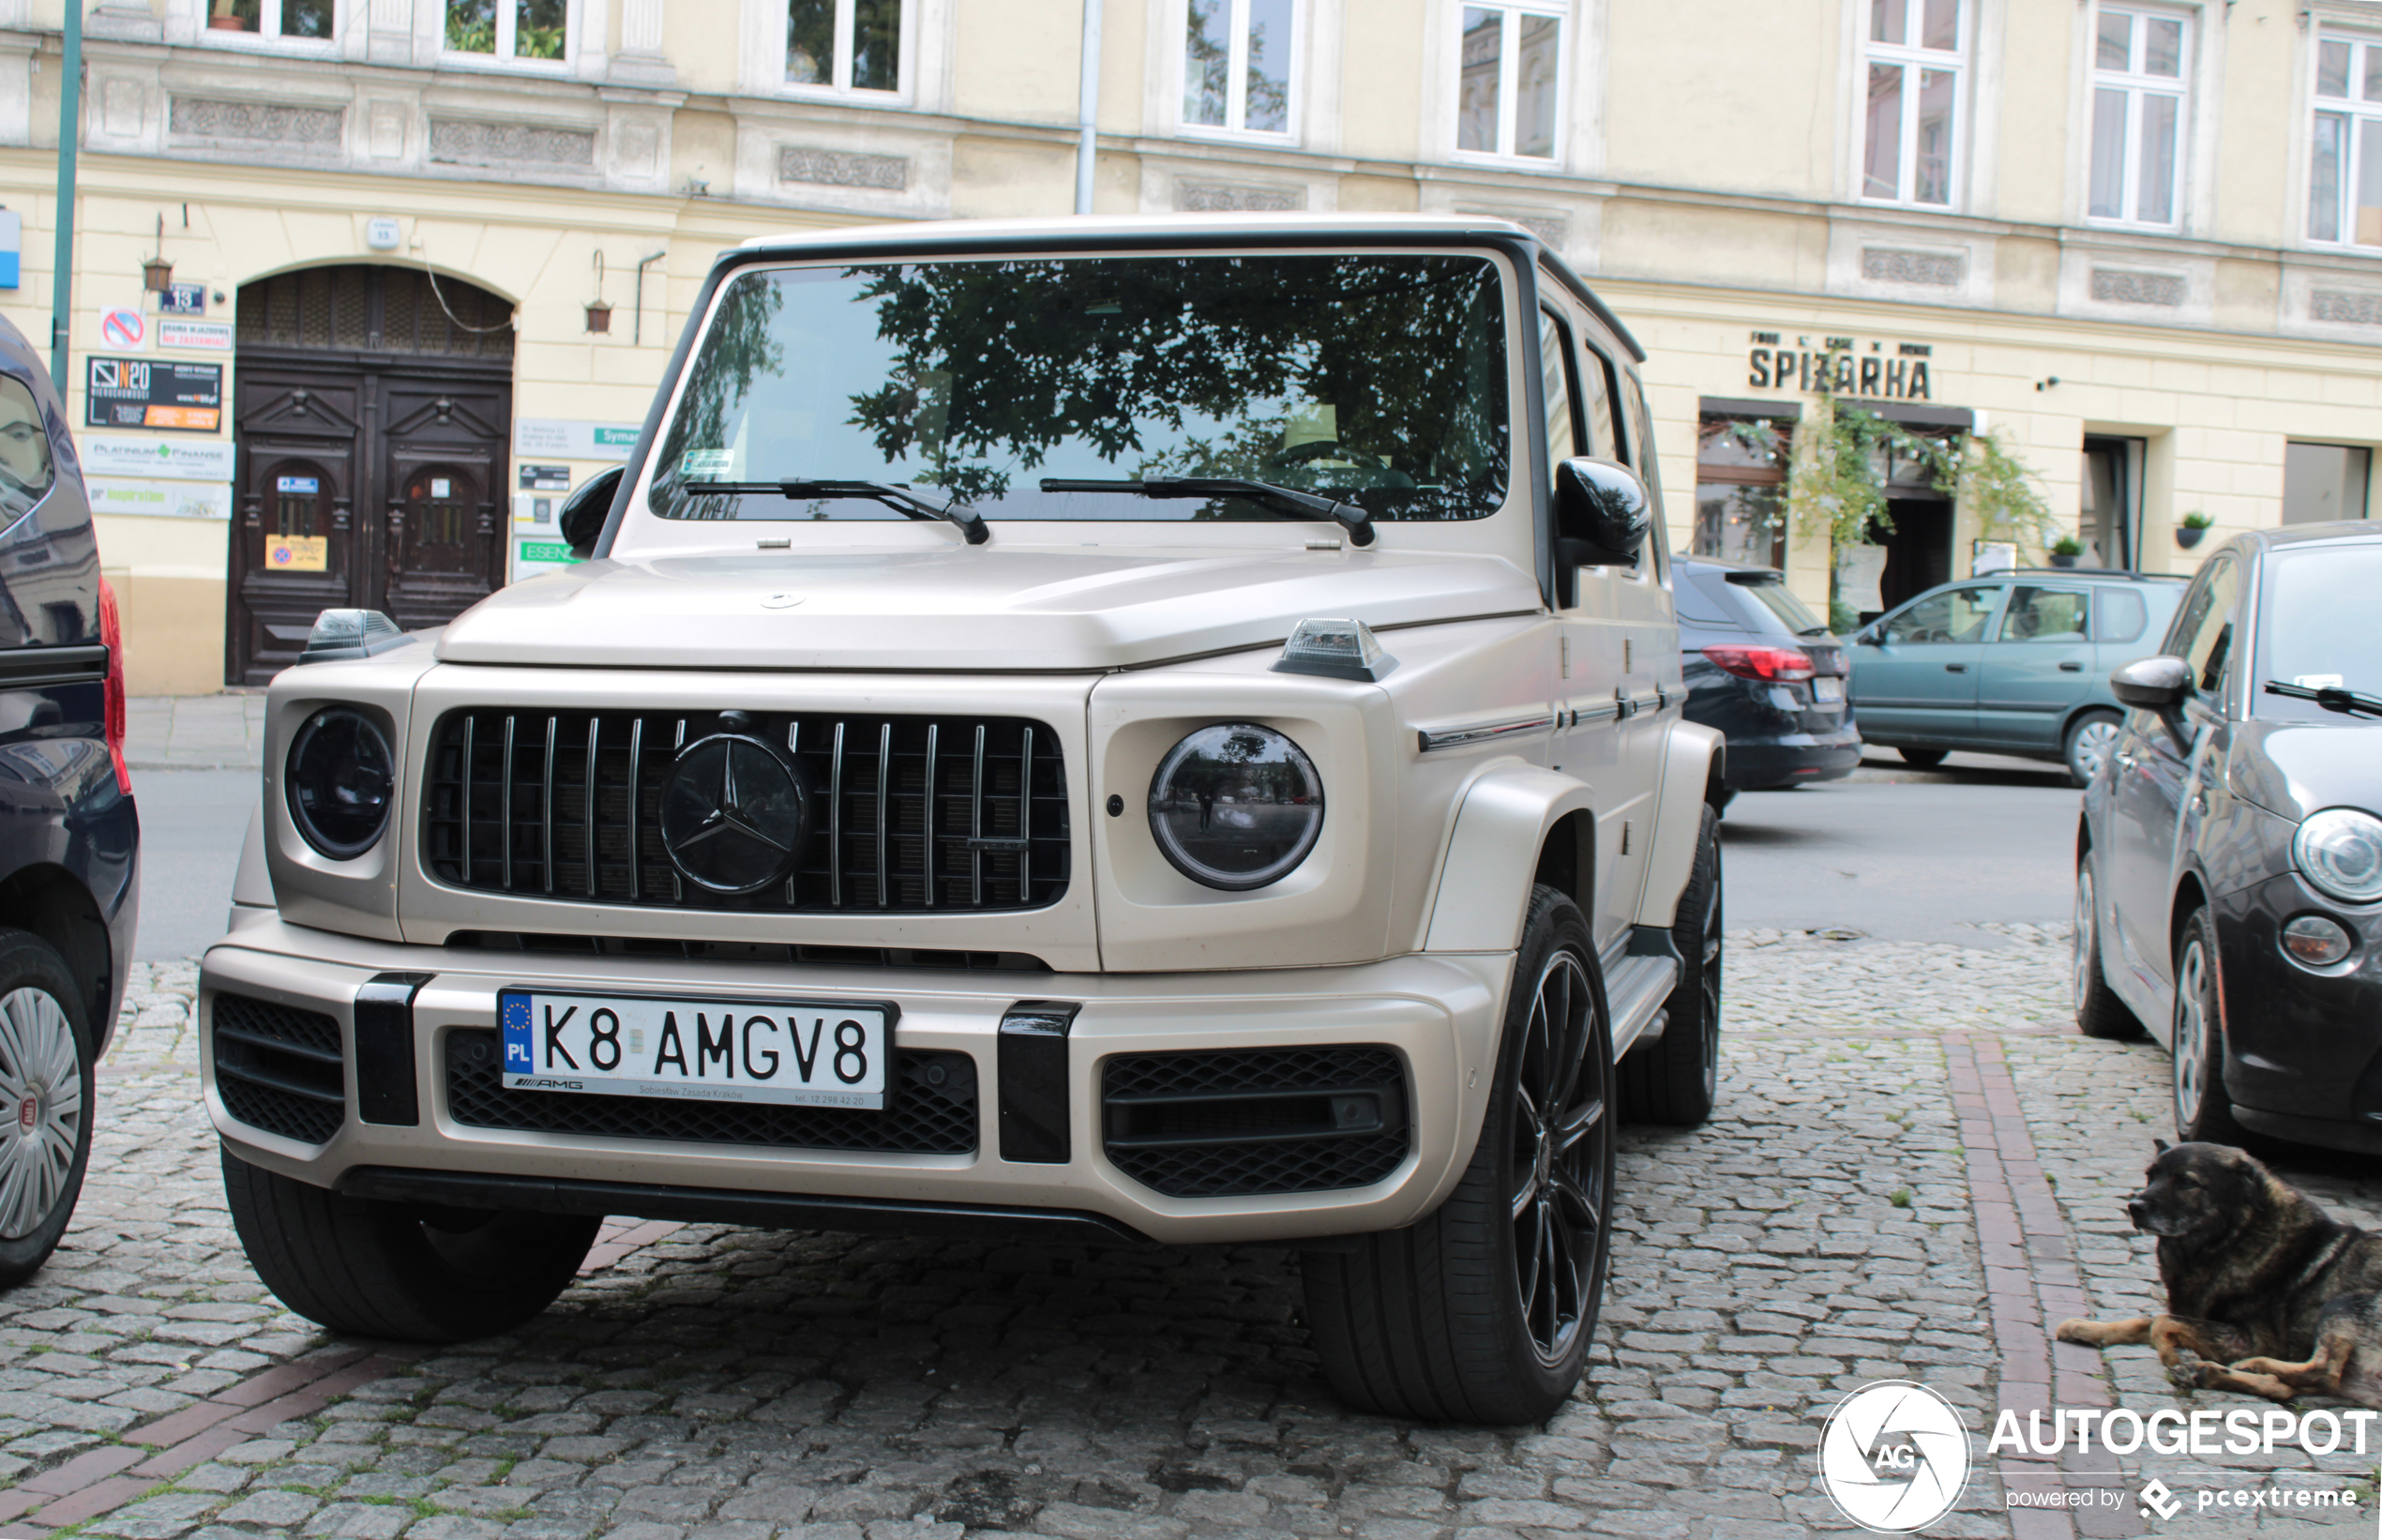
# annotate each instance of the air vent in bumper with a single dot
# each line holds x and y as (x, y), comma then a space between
(1241, 1123)
(279, 1068)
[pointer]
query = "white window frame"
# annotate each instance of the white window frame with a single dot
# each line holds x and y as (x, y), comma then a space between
(268, 35)
(507, 25)
(2357, 112)
(1509, 67)
(1911, 56)
(2183, 85)
(839, 85)
(1236, 85)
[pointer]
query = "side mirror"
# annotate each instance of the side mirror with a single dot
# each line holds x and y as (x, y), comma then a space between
(1871, 635)
(2157, 684)
(1601, 515)
(583, 512)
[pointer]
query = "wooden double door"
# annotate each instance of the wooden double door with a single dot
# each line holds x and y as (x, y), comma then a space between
(365, 481)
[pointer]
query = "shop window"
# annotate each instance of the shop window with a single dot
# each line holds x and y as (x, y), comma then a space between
(2322, 482)
(2344, 159)
(844, 45)
(308, 19)
(1236, 65)
(511, 30)
(1740, 489)
(1510, 81)
(1911, 120)
(2141, 61)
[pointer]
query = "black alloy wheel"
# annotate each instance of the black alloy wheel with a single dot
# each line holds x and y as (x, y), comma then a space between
(1562, 1162)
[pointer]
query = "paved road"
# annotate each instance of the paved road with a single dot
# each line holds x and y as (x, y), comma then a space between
(191, 825)
(1900, 854)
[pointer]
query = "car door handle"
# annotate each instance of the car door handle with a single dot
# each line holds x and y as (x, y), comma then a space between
(1955, 668)
(2072, 668)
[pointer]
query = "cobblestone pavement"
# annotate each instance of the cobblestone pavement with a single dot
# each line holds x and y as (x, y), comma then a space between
(1916, 1159)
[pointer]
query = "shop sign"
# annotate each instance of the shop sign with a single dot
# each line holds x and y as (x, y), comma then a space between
(568, 438)
(297, 552)
(1841, 366)
(137, 393)
(199, 336)
(546, 478)
(182, 460)
(161, 499)
(11, 242)
(537, 554)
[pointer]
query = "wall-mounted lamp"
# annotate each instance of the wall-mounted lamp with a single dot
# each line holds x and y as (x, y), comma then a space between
(2046, 385)
(599, 312)
(156, 274)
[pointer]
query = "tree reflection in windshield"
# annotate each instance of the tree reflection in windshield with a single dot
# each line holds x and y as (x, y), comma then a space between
(1381, 376)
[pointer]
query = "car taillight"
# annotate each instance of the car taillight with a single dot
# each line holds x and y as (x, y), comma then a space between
(111, 633)
(1778, 665)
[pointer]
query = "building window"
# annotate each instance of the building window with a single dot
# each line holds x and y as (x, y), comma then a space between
(846, 45)
(506, 29)
(2322, 482)
(273, 17)
(2138, 96)
(1509, 90)
(1236, 65)
(2345, 168)
(1914, 101)
(1740, 489)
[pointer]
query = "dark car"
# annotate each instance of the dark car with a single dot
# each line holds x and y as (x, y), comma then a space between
(2229, 863)
(70, 840)
(1764, 671)
(2018, 663)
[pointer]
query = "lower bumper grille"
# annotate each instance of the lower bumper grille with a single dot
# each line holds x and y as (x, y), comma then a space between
(931, 1109)
(279, 1069)
(1238, 1124)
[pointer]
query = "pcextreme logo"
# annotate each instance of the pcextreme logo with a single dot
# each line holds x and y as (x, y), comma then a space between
(1893, 1456)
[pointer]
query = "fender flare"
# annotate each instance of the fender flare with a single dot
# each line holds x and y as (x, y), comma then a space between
(1484, 882)
(1691, 758)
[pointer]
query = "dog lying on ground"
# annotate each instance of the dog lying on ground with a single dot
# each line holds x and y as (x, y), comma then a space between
(2266, 1291)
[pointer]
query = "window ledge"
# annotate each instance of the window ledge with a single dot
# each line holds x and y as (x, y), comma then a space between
(850, 96)
(1546, 167)
(1211, 134)
(491, 65)
(256, 42)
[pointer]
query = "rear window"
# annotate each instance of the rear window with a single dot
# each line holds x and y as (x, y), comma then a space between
(2119, 615)
(1769, 591)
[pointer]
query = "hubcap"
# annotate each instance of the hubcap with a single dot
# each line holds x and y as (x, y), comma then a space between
(2093, 742)
(2082, 939)
(41, 1076)
(2191, 1036)
(1562, 1162)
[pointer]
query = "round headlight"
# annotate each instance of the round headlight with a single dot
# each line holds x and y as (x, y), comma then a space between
(1236, 805)
(2340, 850)
(341, 782)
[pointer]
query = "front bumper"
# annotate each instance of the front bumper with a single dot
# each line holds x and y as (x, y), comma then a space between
(1438, 1014)
(2303, 1047)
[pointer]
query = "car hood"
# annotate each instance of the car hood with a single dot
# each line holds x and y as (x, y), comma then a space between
(980, 608)
(2293, 769)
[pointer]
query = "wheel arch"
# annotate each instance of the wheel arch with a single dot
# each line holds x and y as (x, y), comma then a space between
(45, 901)
(1517, 824)
(1694, 760)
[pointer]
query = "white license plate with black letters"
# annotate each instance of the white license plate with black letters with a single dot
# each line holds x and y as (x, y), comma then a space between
(795, 1053)
(1823, 690)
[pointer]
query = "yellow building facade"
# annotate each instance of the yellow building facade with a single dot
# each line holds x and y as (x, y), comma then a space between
(429, 257)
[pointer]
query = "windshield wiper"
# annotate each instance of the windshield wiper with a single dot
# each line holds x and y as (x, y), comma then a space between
(2346, 701)
(971, 524)
(1266, 494)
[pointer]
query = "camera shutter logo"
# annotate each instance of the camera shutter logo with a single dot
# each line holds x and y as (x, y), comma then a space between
(1893, 1456)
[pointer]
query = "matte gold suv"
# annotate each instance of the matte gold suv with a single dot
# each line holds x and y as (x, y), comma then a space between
(1139, 730)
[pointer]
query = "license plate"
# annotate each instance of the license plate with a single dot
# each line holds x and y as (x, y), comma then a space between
(789, 1053)
(1824, 690)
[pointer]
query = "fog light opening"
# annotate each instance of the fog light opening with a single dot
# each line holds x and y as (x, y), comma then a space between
(2317, 940)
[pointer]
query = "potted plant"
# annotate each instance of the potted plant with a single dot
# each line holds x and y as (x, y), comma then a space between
(2193, 529)
(2064, 550)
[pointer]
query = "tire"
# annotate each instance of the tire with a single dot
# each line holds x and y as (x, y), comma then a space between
(1922, 759)
(1483, 1311)
(2203, 1112)
(2085, 748)
(47, 1098)
(400, 1271)
(1675, 1080)
(2099, 1011)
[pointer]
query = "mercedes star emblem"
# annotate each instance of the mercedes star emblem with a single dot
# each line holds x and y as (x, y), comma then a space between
(732, 814)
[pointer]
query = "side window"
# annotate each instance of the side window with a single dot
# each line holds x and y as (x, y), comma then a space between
(1596, 397)
(1956, 614)
(2118, 614)
(2045, 615)
(2204, 632)
(1555, 368)
(26, 471)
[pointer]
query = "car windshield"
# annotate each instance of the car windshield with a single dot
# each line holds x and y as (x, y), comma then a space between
(1785, 606)
(2319, 626)
(1374, 378)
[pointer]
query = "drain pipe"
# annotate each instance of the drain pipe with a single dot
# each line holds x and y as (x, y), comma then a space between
(637, 335)
(69, 131)
(1087, 108)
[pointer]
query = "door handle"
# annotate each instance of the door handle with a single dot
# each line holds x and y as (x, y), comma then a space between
(2072, 668)
(1955, 668)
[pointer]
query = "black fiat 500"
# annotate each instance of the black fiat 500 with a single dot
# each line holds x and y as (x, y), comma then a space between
(2229, 863)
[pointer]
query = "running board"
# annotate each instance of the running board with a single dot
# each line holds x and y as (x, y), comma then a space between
(1637, 988)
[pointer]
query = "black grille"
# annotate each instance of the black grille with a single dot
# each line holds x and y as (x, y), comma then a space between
(279, 1069)
(931, 1109)
(740, 951)
(908, 813)
(1234, 1124)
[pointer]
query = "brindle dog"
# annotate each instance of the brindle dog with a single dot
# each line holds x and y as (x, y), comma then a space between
(2266, 1291)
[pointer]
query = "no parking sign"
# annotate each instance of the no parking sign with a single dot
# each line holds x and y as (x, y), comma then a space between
(122, 328)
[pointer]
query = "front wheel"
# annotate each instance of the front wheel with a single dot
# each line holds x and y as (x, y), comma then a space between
(410, 1271)
(2087, 747)
(1481, 1311)
(2203, 1110)
(1675, 1079)
(46, 1097)
(2099, 1011)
